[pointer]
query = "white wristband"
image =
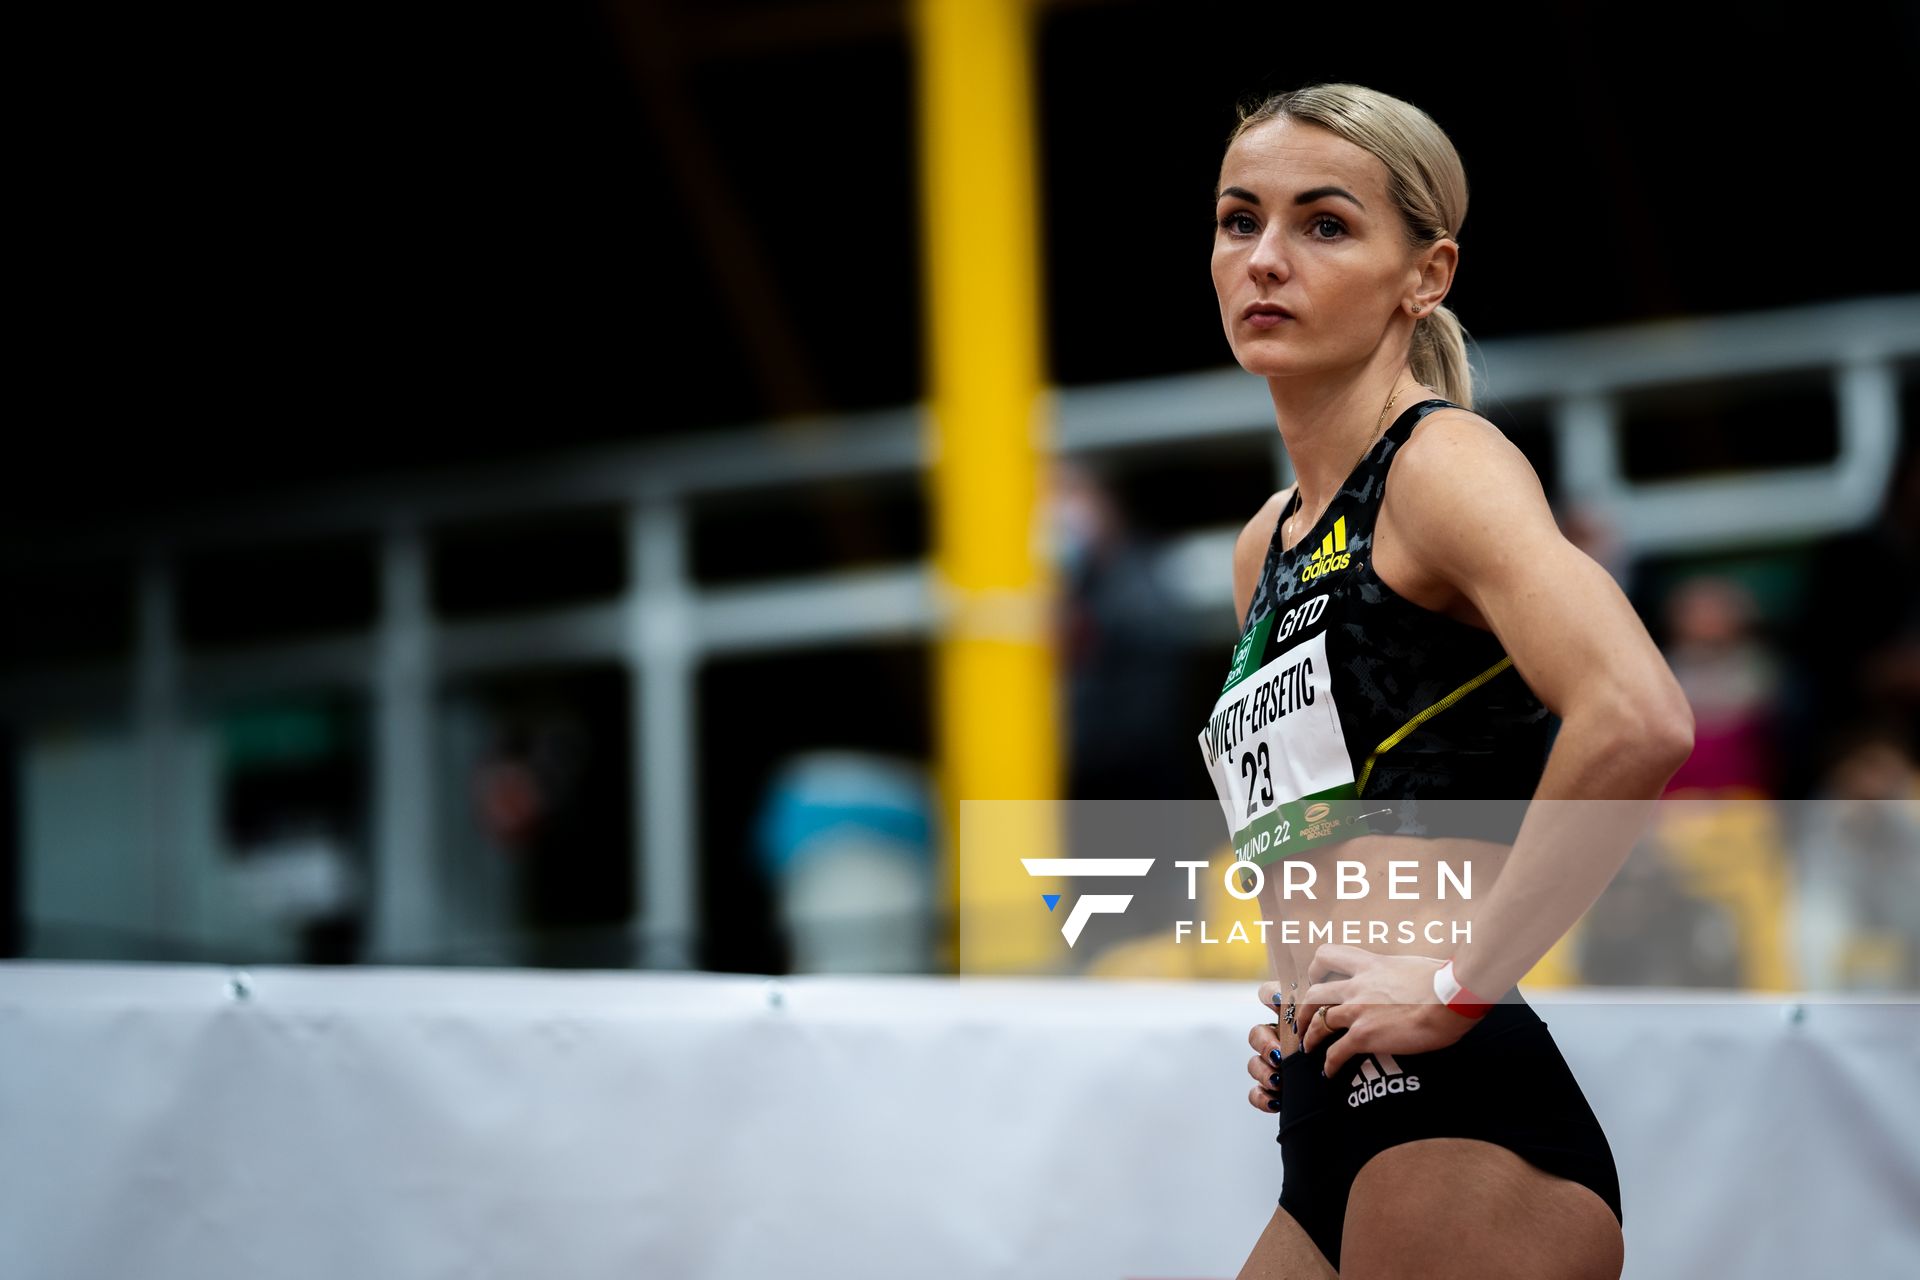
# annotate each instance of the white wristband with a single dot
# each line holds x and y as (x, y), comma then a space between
(1450, 993)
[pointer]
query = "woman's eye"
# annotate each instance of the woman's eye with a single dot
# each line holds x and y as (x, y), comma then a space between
(1232, 221)
(1323, 220)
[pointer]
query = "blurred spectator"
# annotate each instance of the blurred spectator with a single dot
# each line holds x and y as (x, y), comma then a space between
(1649, 930)
(292, 812)
(551, 796)
(1857, 646)
(1128, 732)
(1858, 872)
(1731, 680)
(847, 839)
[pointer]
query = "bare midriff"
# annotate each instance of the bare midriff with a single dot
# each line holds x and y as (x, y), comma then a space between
(1430, 915)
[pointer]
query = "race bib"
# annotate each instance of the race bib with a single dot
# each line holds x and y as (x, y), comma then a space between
(1277, 756)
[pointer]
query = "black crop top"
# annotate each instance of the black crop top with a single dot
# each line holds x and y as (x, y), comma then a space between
(1423, 707)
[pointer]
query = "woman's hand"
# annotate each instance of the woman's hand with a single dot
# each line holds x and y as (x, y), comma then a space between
(1386, 1004)
(1264, 1065)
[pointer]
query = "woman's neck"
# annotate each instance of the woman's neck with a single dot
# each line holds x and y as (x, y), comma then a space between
(1328, 427)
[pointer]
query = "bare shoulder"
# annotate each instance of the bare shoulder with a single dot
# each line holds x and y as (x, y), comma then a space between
(1459, 477)
(1454, 434)
(1469, 516)
(1250, 549)
(1466, 515)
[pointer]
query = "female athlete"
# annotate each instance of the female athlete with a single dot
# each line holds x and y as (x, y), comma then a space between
(1413, 623)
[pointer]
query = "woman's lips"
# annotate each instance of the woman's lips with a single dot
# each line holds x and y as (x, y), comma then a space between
(1266, 319)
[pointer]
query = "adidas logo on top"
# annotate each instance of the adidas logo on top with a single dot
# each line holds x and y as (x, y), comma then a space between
(1330, 556)
(1378, 1076)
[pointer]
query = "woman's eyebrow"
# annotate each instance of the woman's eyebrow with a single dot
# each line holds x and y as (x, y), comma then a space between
(1305, 197)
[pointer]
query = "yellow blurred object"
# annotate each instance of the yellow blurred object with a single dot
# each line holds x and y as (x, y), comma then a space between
(995, 670)
(1003, 926)
(1729, 849)
(1560, 967)
(1874, 960)
(1163, 957)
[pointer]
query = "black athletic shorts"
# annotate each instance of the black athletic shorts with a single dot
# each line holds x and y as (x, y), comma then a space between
(1503, 1081)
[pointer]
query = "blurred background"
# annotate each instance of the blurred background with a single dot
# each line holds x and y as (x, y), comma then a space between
(484, 509)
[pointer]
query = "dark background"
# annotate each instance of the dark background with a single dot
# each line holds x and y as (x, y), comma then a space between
(272, 252)
(277, 251)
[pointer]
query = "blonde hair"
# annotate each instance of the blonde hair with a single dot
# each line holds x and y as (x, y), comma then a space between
(1425, 181)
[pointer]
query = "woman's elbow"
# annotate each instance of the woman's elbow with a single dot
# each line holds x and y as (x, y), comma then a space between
(1650, 725)
(1663, 730)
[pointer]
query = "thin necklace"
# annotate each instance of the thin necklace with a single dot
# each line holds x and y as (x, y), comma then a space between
(1286, 537)
(1293, 1002)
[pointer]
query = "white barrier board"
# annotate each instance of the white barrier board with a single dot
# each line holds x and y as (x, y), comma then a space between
(442, 1124)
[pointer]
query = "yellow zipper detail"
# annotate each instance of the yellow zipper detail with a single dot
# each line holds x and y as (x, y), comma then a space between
(1427, 715)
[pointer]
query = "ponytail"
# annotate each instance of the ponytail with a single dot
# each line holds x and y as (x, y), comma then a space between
(1439, 356)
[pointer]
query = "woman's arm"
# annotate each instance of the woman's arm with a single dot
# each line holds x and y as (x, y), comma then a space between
(1468, 509)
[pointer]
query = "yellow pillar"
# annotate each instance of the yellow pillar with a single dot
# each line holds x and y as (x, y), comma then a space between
(995, 710)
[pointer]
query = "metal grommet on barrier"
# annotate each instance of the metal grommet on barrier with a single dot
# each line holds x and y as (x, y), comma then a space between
(239, 985)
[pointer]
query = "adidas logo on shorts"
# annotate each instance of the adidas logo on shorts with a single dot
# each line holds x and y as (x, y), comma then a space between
(1378, 1076)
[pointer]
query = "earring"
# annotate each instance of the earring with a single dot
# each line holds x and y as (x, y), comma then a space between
(1416, 308)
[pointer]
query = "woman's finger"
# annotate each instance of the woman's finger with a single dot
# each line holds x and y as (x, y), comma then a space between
(1263, 1099)
(1319, 996)
(1266, 1042)
(1344, 1048)
(1264, 1074)
(1320, 1028)
(1338, 957)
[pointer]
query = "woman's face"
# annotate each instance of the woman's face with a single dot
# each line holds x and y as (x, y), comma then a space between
(1303, 221)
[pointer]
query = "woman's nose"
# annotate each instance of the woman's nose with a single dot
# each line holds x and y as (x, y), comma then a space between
(1268, 261)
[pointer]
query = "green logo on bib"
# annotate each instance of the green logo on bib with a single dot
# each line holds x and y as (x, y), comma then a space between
(1248, 651)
